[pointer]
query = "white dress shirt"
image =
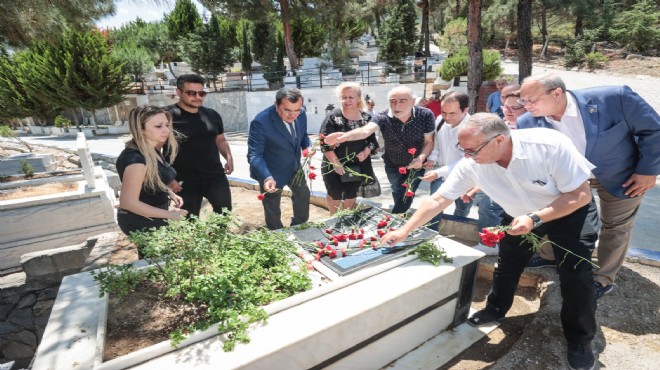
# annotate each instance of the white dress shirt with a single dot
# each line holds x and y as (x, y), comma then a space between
(544, 164)
(445, 153)
(571, 124)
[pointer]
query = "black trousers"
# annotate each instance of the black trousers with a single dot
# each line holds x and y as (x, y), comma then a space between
(576, 232)
(299, 201)
(215, 190)
(129, 221)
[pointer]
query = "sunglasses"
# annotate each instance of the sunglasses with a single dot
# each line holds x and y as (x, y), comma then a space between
(192, 93)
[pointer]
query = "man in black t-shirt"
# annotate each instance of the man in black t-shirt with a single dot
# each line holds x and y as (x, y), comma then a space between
(200, 134)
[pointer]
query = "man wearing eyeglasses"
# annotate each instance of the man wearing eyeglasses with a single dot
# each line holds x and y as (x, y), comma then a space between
(619, 133)
(276, 138)
(201, 136)
(540, 180)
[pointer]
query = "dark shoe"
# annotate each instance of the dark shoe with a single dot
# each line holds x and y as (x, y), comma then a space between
(602, 290)
(580, 356)
(539, 262)
(483, 317)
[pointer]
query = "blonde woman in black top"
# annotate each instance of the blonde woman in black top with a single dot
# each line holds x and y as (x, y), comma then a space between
(145, 198)
(343, 193)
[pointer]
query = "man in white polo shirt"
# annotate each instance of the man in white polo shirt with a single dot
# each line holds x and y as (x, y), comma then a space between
(540, 179)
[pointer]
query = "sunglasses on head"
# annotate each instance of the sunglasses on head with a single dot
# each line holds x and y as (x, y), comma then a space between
(192, 93)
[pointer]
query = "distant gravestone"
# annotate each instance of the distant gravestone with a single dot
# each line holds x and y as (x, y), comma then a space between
(86, 160)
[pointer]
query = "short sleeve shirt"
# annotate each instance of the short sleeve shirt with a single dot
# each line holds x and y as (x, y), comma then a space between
(495, 102)
(166, 173)
(400, 136)
(544, 164)
(198, 157)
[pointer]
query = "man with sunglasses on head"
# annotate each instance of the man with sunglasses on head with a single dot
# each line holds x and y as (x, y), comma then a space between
(540, 180)
(276, 138)
(201, 138)
(619, 133)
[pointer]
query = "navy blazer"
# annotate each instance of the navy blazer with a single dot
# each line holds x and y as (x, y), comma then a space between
(622, 132)
(271, 149)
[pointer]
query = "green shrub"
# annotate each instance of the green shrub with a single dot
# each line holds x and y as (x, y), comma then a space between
(638, 28)
(454, 36)
(457, 65)
(577, 49)
(62, 122)
(205, 263)
(27, 169)
(595, 60)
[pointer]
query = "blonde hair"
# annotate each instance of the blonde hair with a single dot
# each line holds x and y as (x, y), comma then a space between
(137, 120)
(361, 104)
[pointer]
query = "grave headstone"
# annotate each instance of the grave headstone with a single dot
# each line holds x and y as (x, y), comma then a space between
(86, 160)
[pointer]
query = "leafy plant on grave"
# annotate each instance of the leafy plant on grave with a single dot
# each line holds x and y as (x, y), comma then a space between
(62, 122)
(27, 169)
(206, 264)
(6, 131)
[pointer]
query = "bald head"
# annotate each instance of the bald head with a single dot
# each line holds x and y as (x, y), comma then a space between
(544, 95)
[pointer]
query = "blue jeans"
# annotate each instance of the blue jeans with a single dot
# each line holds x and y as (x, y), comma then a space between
(461, 209)
(401, 202)
(490, 213)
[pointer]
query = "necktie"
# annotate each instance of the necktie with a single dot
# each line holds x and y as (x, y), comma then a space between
(292, 130)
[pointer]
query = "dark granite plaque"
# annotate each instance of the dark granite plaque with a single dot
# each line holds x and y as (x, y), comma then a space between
(365, 221)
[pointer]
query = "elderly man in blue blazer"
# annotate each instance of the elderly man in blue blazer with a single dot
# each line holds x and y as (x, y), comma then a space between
(276, 138)
(617, 131)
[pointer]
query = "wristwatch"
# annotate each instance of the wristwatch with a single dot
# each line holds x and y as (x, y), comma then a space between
(535, 218)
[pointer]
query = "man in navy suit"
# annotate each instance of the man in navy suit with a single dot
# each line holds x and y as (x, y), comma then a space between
(617, 131)
(276, 138)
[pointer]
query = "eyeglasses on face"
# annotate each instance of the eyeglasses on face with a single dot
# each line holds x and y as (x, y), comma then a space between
(192, 93)
(474, 152)
(512, 108)
(524, 102)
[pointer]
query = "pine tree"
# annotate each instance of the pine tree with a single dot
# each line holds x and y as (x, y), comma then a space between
(398, 34)
(209, 50)
(79, 72)
(183, 20)
(246, 55)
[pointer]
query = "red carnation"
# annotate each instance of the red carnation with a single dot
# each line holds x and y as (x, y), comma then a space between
(403, 170)
(404, 185)
(410, 193)
(312, 175)
(412, 151)
(491, 236)
(261, 196)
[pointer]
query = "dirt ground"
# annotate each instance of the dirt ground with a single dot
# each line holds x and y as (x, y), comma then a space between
(617, 64)
(33, 191)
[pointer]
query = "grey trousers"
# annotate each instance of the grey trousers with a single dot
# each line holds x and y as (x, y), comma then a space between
(299, 201)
